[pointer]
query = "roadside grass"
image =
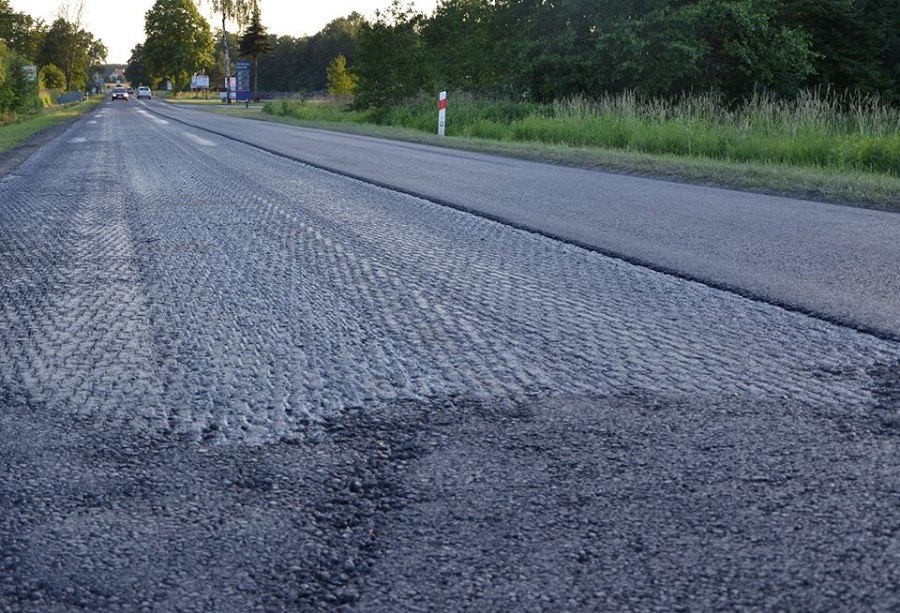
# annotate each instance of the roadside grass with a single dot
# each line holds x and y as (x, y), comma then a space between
(821, 146)
(18, 131)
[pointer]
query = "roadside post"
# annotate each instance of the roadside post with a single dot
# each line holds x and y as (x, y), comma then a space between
(442, 112)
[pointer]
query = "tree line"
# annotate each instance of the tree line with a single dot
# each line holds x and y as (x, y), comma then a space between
(65, 55)
(544, 50)
(551, 49)
(538, 50)
(283, 63)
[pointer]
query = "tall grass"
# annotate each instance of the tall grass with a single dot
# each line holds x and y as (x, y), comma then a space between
(823, 129)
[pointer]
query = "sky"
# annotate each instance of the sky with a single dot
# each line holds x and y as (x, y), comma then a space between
(120, 23)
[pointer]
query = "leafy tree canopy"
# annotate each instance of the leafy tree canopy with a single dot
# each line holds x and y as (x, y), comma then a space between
(135, 70)
(66, 46)
(178, 42)
(21, 33)
(391, 58)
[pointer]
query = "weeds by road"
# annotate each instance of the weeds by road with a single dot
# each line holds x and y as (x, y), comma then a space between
(15, 133)
(19, 139)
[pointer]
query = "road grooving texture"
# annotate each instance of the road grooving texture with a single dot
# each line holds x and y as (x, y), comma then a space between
(240, 306)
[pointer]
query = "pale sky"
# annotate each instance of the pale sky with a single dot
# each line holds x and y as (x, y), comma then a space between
(120, 23)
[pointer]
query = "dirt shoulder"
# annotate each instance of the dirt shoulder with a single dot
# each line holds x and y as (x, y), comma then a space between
(11, 159)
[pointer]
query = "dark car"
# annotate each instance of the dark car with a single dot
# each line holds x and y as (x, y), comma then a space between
(119, 93)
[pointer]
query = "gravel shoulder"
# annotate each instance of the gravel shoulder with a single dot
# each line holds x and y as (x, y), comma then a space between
(11, 159)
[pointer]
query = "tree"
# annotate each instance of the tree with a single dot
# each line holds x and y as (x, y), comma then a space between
(748, 49)
(216, 73)
(281, 70)
(857, 43)
(238, 11)
(551, 49)
(339, 37)
(391, 58)
(19, 39)
(69, 47)
(135, 70)
(18, 92)
(62, 46)
(341, 82)
(96, 52)
(21, 33)
(254, 43)
(178, 44)
(459, 44)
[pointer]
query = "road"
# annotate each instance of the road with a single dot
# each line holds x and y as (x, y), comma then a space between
(234, 381)
(832, 261)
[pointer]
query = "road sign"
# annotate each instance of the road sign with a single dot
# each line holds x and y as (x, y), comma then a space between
(242, 74)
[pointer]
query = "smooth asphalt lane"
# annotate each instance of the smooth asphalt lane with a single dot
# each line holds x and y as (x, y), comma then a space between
(836, 262)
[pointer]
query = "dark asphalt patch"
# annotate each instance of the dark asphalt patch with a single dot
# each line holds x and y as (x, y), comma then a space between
(577, 504)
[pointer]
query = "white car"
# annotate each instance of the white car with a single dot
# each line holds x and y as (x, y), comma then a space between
(144, 92)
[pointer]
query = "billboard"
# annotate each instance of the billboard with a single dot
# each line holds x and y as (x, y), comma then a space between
(200, 81)
(242, 75)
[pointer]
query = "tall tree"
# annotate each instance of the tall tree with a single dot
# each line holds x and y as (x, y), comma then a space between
(67, 45)
(459, 43)
(339, 37)
(179, 42)
(21, 32)
(281, 70)
(390, 58)
(62, 46)
(254, 43)
(857, 42)
(238, 11)
(135, 70)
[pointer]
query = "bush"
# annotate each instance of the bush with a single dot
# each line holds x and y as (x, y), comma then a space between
(18, 93)
(51, 77)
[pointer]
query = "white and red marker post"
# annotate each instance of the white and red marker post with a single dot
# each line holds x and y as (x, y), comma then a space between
(442, 112)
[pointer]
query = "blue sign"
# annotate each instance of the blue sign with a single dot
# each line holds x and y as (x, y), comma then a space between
(242, 77)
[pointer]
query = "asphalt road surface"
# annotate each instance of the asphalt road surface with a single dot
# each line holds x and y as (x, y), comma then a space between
(231, 381)
(836, 262)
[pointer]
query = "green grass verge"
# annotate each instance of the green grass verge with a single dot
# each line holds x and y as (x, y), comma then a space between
(17, 132)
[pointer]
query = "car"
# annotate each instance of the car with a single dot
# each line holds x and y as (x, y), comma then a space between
(119, 93)
(144, 92)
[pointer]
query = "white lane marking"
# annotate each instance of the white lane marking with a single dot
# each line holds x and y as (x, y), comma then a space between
(78, 139)
(153, 117)
(200, 140)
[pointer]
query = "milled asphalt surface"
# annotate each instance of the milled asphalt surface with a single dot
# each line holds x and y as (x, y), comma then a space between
(230, 381)
(836, 262)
